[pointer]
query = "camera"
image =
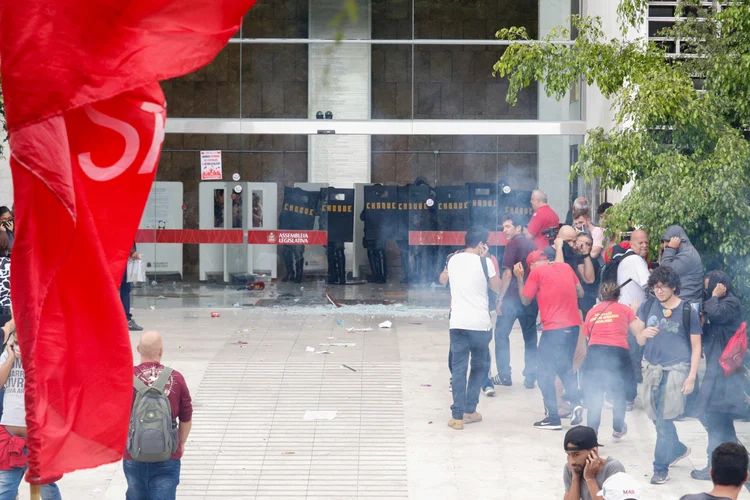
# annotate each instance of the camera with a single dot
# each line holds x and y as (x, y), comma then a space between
(551, 233)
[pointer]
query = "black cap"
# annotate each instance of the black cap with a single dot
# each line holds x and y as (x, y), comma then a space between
(580, 438)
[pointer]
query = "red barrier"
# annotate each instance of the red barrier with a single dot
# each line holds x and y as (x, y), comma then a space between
(189, 236)
(450, 238)
(286, 237)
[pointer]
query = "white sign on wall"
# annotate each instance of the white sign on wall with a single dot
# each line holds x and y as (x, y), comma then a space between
(211, 165)
(163, 211)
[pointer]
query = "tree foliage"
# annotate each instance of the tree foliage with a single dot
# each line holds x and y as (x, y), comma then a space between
(683, 146)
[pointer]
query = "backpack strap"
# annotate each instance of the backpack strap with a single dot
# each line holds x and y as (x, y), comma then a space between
(686, 314)
(163, 379)
(138, 384)
(483, 261)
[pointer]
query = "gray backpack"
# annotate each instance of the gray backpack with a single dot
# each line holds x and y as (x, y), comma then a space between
(153, 433)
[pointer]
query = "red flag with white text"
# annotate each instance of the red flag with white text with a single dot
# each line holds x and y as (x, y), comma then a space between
(86, 119)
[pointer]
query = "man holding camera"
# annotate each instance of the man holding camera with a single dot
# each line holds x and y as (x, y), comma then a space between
(543, 219)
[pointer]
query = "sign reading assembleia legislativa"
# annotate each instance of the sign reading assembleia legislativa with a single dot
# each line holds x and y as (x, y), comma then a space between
(293, 238)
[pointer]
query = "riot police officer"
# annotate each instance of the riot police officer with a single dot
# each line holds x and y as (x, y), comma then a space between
(297, 213)
(380, 216)
(337, 218)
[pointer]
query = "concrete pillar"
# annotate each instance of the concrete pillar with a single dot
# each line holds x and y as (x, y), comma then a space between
(339, 81)
(553, 156)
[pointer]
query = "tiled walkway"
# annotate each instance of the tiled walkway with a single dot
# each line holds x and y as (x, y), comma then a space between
(252, 380)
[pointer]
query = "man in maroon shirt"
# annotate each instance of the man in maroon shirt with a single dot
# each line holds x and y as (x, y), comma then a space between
(510, 309)
(544, 218)
(557, 290)
(159, 480)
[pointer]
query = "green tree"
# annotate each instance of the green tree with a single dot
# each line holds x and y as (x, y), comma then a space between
(680, 133)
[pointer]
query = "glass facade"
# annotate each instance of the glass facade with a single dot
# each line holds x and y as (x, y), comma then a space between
(402, 60)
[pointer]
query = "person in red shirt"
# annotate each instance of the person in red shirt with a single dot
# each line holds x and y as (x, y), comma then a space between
(159, 479)
(607, 367)
(557, 290)
(544, 218)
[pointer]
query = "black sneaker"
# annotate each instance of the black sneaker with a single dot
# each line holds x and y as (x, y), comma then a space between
(576, 417)
(701, 474)
(660, 477)
(134, 327)
(498, 380)
(549, 424)
(529, 383)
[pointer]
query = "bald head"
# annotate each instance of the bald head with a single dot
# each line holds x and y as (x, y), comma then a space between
(568, 234)
(150, 347)
(639, 242)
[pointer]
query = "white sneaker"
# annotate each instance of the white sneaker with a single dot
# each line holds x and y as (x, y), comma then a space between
(489, 392)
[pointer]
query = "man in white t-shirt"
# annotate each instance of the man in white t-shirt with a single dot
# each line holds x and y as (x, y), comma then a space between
(634, 267)
(470, 273)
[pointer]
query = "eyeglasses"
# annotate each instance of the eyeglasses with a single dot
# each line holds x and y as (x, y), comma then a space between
(662, 288)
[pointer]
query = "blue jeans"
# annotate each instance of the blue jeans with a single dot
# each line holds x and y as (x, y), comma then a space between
(11, 479)
(152, 481)
(606, 370)
(125, 289)
(513, 310)
(555, 358)
(668, 446)
(465, 343)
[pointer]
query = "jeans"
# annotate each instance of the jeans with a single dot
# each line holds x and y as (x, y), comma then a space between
(636, 362)
(720, 428)
(668, 446)
(487, 381)
(465, 343)
(513, 310)
(11, 479)
(125, 288)
(555, 358)
(606, 369)
(152, 481)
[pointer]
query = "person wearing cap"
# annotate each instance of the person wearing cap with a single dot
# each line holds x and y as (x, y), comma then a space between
(729, 462)
(586, 472)
(557, 290)
(620, 486)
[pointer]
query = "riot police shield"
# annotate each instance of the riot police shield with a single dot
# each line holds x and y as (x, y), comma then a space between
(452, 208)
(337, 213)
(516, 203)
(381, 212)
(483, 205)
(298, 210)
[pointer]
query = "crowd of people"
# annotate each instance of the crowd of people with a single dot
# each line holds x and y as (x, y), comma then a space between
(616, 326)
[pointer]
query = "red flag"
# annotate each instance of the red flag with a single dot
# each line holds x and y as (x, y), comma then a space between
(86, 120)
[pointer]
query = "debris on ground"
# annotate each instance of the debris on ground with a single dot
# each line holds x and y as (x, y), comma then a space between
(426, 385)
(340, 322)
(385, 324)
(358, 330)
(323, 352)
(241, 342)
(310, 349)
(332, 300)
(319, 415)
(294, 452)
(215, 315)
(337, 345)
(348, 367)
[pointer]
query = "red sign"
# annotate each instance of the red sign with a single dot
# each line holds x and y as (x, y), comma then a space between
(287, 237)
(217, 236)
(450, 238)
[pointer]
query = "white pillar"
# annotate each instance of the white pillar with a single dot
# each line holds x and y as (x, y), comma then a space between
(339, 81)
(553, 156)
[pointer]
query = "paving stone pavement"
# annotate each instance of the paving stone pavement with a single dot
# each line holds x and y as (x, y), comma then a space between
(252, 380)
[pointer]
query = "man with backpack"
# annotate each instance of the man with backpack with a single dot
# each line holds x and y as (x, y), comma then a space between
(470, 273)
(156, 440)
(671, 331)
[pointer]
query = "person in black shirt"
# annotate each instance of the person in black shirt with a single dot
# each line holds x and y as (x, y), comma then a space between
(583, 266)
(590, 290)
(729, 463)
